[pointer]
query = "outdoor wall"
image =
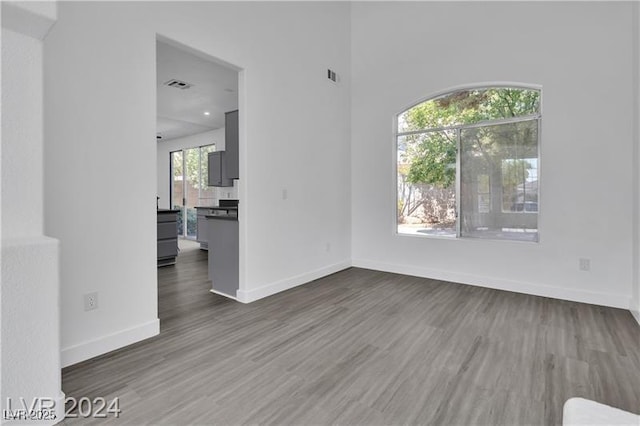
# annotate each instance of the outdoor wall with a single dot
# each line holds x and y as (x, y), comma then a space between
(581, 54)
(164, 149)
(100, 118)
(30, 347)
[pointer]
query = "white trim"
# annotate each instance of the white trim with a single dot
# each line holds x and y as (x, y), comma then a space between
(107, 343)
(473, 86)
(634, 308)
(477, 124)
(458, 128)
(282, 285)
(591, 297)
(636, 315)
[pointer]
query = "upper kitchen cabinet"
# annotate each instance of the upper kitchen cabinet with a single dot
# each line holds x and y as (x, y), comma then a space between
(231, 144)
(223, 165)
(218, 175)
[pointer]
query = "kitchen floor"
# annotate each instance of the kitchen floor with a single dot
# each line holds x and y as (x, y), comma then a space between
(184, 244)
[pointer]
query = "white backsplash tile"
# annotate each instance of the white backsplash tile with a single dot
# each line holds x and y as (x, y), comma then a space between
(223, 193)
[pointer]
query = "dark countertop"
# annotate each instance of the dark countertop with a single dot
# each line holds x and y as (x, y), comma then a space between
(230, 208)
(222, 216)
(168, 211)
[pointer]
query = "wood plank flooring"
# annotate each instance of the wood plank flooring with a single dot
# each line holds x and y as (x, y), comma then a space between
(364, 347)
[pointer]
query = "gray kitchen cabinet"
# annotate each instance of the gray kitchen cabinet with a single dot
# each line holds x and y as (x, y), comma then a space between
(201, 226)
(167, 237)
(202, 230)
(231, 140)
(223, 254)
(218, 169)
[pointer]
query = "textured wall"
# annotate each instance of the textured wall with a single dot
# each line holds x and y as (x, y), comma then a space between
(30, 327)
(30, 349)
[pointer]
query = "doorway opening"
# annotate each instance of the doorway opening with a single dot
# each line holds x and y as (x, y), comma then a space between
(196, 96)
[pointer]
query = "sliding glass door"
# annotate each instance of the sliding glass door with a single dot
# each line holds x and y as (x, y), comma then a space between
(189, 186)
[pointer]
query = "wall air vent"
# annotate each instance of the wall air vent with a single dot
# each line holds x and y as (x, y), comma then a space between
(178, 84)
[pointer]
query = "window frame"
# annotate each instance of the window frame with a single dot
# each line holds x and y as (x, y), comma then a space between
(199, 147)
(458, 129)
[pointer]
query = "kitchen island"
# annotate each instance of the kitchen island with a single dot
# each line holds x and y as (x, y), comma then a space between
(201, 225)
(167, 236)
(223, 238)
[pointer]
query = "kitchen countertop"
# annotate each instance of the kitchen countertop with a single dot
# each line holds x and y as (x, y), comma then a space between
(168, 211)
(218, 207)
(222, 216)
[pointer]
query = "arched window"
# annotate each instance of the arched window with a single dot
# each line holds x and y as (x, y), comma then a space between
(468, 164)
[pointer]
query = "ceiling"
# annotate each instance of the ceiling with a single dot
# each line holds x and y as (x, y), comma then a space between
(181, 112)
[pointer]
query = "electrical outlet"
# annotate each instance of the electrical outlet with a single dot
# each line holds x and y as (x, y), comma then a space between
(584, 264)
(91, 301)
(285, 194)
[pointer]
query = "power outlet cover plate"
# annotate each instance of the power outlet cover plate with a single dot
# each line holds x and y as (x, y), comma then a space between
(91, 301)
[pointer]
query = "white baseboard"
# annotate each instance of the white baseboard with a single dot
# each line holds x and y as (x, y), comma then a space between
(594, 298)
(286, 284)
(636, 315)
(92, 348)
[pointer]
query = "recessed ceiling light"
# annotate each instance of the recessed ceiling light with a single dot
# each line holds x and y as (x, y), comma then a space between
(207, 113)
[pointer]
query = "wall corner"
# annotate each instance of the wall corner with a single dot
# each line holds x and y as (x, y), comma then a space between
(33, 19)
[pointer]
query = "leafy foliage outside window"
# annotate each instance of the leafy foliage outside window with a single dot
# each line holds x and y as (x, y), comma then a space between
(500, 147)
(192, 186)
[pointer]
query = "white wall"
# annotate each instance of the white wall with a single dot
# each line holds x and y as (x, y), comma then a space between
(581, 55)
(102, 160)
(100, 177)
(164, 149)
(30, 348)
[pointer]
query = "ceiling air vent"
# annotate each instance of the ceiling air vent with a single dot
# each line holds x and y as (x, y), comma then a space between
(178, 84)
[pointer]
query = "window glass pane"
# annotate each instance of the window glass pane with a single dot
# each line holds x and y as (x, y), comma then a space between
(499, 181)
(177, 185)
(207, 193)
(427, 183)
(192, 157)
(469, 107)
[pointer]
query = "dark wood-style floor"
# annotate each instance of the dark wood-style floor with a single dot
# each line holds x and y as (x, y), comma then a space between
(364, 347)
